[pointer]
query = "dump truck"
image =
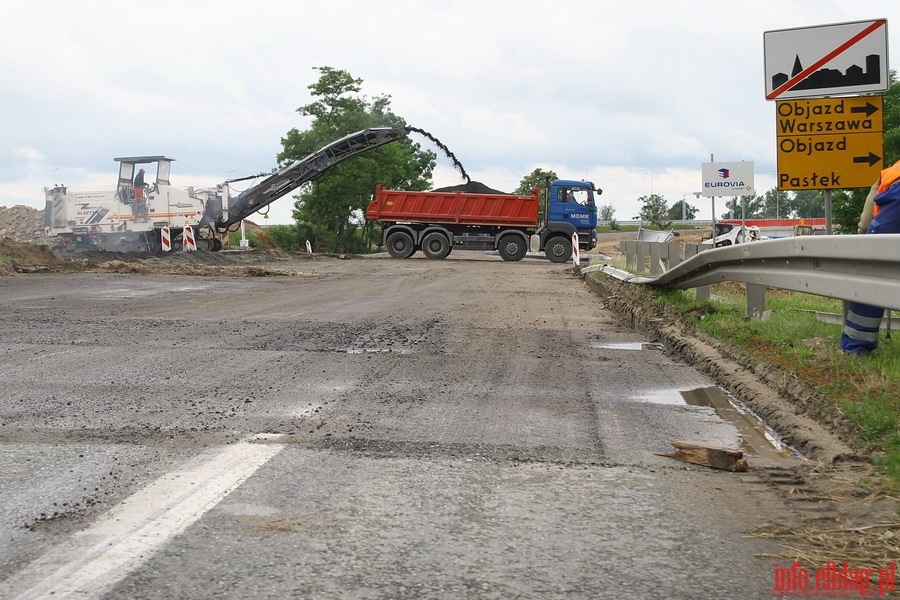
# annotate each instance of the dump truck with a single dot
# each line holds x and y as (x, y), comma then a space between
(438, 222)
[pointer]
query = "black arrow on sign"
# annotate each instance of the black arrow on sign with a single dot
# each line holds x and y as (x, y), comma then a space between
(869, 108)
(871, 159)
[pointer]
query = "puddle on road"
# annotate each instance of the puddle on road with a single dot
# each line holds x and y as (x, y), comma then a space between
(756, 437)
(627, 345)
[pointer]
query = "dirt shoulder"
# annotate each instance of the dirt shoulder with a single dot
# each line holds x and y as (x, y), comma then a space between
(840, 510)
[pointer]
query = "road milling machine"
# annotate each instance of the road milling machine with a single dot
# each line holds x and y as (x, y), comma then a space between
(130, 218)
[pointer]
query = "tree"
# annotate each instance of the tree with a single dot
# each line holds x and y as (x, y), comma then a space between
(808, 204)
(749, 206)
(846, 205)
(775, 205)
(681, 211)
(536, 179)
(607, 212)
(655, 210)
(331, 209)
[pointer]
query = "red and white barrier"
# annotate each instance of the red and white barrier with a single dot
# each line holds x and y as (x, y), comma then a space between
(575, 259)
(165, 236)
(189, 242)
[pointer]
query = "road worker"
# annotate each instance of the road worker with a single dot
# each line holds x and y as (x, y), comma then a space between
(139, 186)
(881, 214)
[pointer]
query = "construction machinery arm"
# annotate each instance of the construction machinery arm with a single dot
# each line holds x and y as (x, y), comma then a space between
(310, 168)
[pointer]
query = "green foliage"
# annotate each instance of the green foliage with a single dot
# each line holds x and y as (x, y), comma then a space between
(682, 211)
(739, 204)
(331, 210)
(892, 122)
(880, 428)
(607, 213)
(775, 205)
(538, 178)
(285, 237)
(234, 239)
(655, 210)
(808, 204)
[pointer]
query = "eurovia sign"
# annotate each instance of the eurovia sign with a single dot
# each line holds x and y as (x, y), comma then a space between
(727, 179)
(827, 60)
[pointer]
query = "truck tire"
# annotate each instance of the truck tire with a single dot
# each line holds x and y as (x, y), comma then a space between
(512, 247)
(400, 244)
(559, 249)
(435, 245)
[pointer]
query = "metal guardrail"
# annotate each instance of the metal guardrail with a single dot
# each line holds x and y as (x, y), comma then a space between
(854, 268)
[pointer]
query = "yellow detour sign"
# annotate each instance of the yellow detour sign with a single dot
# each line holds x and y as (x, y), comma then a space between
(830, 143)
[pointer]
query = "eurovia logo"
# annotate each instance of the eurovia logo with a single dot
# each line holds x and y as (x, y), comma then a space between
(726, 183)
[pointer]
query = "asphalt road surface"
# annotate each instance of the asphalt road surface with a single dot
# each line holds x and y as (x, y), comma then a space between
(369, 428)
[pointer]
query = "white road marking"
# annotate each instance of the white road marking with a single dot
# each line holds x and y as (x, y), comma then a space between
(92, 561)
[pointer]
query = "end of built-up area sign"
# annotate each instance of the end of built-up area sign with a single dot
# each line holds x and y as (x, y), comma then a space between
(827, 60)
(827, 137)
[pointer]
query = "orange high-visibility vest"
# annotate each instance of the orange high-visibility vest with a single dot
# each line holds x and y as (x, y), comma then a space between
(888, 178)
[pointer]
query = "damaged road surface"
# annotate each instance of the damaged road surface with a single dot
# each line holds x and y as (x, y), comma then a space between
(364, 428)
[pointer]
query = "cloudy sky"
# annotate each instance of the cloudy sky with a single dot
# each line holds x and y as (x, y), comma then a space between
(634, 96)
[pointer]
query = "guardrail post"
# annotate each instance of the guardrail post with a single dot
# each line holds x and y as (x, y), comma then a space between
(656, 267)
(756, 300)
(630, 250)
(643, 253)
(704, 292)
(674, 255)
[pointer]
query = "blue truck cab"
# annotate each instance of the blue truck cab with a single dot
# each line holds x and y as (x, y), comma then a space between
(570, 207)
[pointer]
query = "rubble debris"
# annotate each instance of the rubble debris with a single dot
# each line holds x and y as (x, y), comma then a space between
(708, 456)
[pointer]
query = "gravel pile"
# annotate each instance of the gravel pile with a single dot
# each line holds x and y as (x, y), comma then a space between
(22, 223)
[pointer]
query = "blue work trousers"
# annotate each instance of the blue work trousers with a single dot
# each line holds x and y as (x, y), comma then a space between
(860, 335)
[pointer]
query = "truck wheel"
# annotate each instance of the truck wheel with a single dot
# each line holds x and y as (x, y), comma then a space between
(559, 249)
(512, 247)
(435, 245)
(400, 245)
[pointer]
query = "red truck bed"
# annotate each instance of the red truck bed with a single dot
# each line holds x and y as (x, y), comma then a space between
(453, 208)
